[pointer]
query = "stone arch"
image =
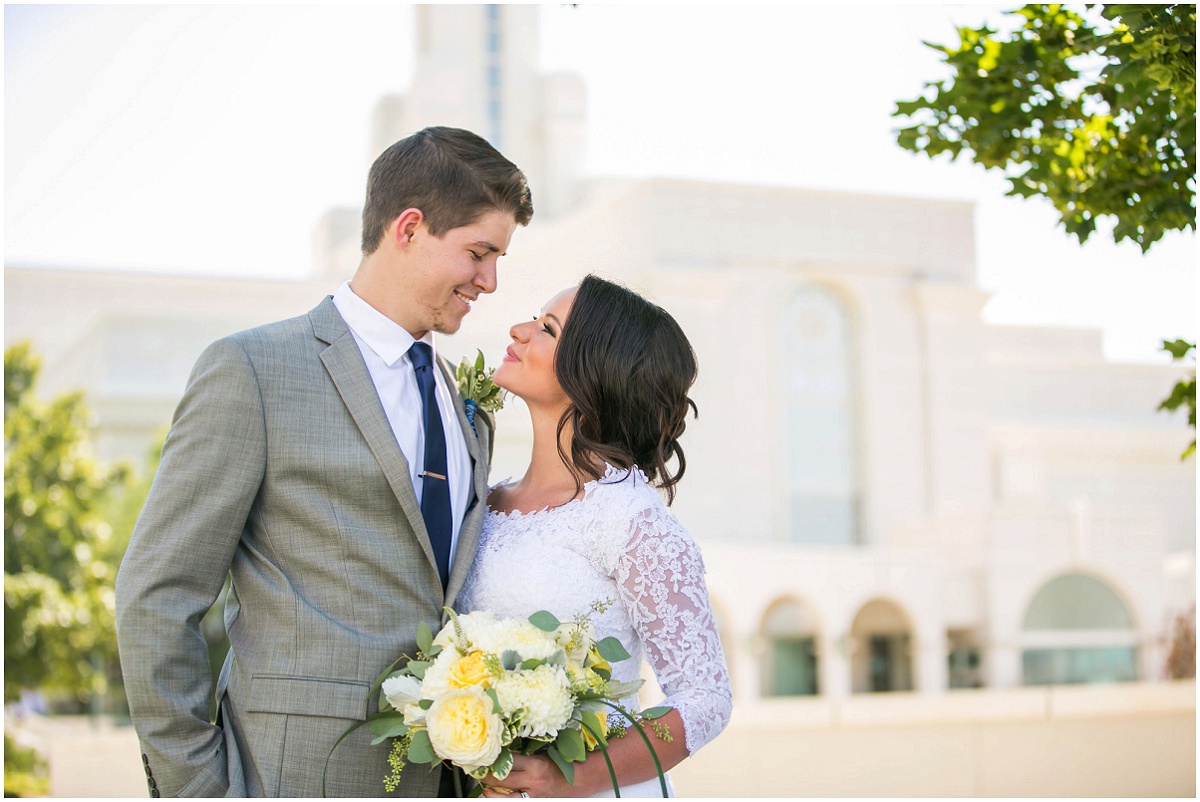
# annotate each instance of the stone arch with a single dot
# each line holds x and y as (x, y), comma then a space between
(1077, 627)
(881, 648)
(791, 631)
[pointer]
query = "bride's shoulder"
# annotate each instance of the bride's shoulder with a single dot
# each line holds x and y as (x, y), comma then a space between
(619, 484)
(497, 494)
(622, 497)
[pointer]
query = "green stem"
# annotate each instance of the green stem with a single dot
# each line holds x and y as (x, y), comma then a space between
(662, 780)
(330, 755)
(612, 773)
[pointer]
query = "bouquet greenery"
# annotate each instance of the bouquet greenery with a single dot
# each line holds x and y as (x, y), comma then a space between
(486, 688)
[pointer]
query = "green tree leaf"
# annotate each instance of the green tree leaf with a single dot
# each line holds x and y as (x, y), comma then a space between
(60, 551)
(1094, 110)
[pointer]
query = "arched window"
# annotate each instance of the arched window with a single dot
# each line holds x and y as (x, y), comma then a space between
(881, 649)
(1076, 630)
(791, 630)
(821, 413)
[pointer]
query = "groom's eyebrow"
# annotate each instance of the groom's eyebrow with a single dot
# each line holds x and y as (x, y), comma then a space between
(487, 245)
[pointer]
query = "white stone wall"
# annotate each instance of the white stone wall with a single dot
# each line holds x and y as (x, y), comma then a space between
(991, 459)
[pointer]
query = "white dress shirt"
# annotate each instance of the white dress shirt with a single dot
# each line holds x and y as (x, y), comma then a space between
(384, 346)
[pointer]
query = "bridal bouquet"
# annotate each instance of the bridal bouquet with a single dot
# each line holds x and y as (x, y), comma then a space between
(486, 688)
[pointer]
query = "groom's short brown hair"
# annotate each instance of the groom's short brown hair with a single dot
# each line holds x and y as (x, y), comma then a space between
(453, 176)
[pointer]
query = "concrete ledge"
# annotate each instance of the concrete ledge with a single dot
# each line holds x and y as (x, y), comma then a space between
(983, 705)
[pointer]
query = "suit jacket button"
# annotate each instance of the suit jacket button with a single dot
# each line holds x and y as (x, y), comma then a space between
(145, 759)
(154, 793)
(149, 773)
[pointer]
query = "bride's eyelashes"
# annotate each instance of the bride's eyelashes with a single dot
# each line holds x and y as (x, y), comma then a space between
(546, 328)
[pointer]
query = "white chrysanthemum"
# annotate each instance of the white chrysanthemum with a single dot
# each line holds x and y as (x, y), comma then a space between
(473, 625)
(544, 694)
(519, 636)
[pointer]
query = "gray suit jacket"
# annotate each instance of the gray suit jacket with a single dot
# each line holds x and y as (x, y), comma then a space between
(281, 467)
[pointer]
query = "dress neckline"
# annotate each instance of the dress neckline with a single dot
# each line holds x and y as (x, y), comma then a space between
(612, 475)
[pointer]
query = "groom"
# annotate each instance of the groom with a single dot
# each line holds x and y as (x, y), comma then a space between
(326, 463)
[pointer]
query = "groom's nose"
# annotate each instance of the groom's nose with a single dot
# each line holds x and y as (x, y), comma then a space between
(485, 279)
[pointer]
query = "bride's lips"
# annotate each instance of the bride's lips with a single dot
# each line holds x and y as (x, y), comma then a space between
(509, 356)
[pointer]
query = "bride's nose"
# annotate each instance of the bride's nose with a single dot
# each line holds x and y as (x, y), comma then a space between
(517, 333)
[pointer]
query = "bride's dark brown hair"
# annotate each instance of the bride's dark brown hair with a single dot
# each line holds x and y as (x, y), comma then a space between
(626, 367)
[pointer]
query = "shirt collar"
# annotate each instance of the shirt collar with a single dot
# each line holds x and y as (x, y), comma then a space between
(389, 340)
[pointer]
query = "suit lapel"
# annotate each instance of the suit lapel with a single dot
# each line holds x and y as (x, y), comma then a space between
(468, 533)
(344, 363)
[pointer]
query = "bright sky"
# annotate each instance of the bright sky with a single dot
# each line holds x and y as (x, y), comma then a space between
(211, 138)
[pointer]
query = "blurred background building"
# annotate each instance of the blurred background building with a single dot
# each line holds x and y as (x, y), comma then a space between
(931, 542)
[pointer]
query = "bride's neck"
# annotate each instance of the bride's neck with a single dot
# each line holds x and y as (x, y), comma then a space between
(546, 473)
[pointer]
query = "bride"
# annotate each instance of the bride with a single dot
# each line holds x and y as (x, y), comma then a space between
(605, 375)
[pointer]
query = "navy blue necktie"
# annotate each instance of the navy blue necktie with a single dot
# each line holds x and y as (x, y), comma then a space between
(435, 487)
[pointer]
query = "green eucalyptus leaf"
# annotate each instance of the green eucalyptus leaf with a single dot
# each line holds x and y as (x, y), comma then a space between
(545, 621)
(612, 650)
(656, 712)
(563, 765)
(570, 744)
(388, 725)
(420, 750)
(424, 637)
(491, 693)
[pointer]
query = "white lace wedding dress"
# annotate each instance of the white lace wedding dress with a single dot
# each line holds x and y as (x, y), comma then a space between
(618, 542)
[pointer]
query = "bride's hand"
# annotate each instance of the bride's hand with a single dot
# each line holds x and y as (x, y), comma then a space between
(536, 776)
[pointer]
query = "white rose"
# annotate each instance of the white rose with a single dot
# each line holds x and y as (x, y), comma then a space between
(463, 729)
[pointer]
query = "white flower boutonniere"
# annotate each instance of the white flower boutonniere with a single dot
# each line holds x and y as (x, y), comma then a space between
(477, 388)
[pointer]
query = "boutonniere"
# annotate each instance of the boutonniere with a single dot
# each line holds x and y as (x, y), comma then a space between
(477, 388)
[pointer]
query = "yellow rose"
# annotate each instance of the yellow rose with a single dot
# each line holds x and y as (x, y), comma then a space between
(463, 729)
(471, 670)
(589, 741)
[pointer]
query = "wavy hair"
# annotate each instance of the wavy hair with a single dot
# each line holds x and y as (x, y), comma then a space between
(626, 366)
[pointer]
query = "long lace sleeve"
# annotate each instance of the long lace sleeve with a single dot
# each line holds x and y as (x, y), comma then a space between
(660, 581)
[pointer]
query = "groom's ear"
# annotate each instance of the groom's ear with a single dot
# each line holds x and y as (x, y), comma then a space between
(404, 227)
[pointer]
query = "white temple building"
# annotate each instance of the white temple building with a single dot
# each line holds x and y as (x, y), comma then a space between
(891, 494)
